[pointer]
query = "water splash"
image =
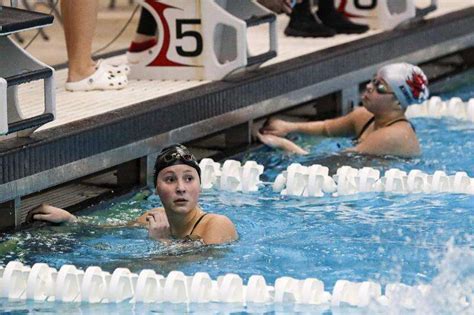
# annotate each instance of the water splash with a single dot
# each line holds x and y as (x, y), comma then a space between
(453, 288)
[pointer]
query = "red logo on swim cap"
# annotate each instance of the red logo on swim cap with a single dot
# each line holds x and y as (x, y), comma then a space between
(417, 84)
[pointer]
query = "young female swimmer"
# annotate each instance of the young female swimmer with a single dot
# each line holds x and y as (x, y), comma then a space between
(177, 180)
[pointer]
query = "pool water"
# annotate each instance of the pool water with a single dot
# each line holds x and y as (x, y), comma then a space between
(416, 238)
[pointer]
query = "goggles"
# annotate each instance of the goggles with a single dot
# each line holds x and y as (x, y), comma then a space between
(175, 156)
(379, 87)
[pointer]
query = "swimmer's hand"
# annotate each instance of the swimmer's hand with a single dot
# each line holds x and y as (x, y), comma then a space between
(276, 127)
(158, 225)
(48, 213)
(281, 143)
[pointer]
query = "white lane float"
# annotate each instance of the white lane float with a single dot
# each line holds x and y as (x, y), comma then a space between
(313, 181)
(359, 294)
(94, 285)
(437, 108)
(257, 290)
(71, 284)
(40, 283)
(14, 281)
(231, 176)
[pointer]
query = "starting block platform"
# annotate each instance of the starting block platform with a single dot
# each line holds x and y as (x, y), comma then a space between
(96, 131)
(19, 67)
(203, 39)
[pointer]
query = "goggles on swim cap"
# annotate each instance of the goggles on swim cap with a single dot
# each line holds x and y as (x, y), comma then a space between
(408, 82)
(175, 155)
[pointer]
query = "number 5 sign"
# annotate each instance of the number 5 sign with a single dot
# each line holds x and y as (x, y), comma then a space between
(199, 39)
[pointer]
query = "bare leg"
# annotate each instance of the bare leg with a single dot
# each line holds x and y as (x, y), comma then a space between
(80, 20)
(141, 38)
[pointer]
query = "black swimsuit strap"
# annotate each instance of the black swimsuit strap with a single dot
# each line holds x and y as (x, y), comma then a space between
(197, 222)
(401, 119)
(367, 124)
(371, 120)
(395, 121)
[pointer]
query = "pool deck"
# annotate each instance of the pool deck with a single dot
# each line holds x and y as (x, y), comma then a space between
(96, 131)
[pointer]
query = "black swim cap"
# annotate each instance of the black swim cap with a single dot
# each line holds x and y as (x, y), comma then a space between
(174, 155)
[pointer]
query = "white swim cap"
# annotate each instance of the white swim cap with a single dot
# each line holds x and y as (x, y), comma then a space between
(407, 81)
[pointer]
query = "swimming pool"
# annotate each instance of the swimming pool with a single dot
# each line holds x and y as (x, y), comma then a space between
(386, 238)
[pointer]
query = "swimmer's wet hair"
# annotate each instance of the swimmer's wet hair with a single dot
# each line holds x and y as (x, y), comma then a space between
(175, 154)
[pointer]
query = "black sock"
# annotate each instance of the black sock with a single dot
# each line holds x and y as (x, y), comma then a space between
(326, 6)
(146, 23)
(305, 24)
(302, 7)
(336, 20)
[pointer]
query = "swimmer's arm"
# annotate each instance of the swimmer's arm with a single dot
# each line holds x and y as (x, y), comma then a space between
(142, 220)
(281, 143)
(51, 214)
(278, 127)
(218, 230)
(338, 127)
(56, 215)
(316, 128)
(348, 125)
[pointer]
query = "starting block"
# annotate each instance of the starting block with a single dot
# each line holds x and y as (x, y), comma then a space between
(18, 67)
(383, 14)
(202, 39)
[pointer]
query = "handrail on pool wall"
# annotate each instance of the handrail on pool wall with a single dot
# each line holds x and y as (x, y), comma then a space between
(70, 284)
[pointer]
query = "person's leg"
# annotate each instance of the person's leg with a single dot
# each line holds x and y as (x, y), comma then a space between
(80, 19)
(304, 23)
(331, 17)
(145, 37)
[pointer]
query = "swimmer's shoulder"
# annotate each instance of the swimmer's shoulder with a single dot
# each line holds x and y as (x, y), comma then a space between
(404, 137)
(215, 219)
(401, 129)
(216, 229)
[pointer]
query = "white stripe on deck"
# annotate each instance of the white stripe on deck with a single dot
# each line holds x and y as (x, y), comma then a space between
(73, 106)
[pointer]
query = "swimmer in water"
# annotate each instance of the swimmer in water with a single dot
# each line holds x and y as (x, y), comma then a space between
(177, 180)
(379, 127)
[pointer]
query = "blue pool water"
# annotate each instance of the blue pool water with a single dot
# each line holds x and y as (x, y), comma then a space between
(381, 237)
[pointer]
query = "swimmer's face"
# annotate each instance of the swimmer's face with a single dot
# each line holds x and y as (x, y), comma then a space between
(377, 94)
(178, 187)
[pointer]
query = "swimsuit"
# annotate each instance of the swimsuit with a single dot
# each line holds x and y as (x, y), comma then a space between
(191, 236)
(371, 120)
